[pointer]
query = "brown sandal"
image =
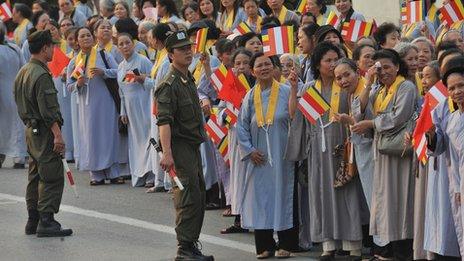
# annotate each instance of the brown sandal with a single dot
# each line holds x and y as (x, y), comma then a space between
(97, 183)
(117, 181)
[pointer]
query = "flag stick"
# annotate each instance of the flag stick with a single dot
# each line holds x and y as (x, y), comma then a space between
(70, 177)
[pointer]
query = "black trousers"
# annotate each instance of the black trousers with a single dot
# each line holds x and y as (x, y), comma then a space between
(288, 239)
(446, 258)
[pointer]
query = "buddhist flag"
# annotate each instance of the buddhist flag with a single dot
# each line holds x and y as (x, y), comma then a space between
(231, 114)
(223, 148)
(355, 29)
(215, 132)
(243, 82)
(242, 28)
(413, 12)
(278, 40)
(452, 12)
(129, 77)
(332, 18)
(437, 93)
(218, 77)
(78, 72)
(59, 61)
(201, 40)
(312, 105)
(5, 12)
(302, 6)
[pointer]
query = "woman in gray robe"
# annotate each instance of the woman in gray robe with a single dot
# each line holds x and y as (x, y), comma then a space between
(98, 116)
(335, 213)
(392, 206)
(135, 87)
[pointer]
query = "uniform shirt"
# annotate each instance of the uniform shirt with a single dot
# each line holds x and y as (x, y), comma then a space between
(36, 95)
(177, 104)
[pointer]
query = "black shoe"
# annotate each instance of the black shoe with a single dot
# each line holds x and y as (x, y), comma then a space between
(212, 206)
(351, 258)
(19, 166)
(330, 257)
(49, 227)
(189, 251)
(32, 222)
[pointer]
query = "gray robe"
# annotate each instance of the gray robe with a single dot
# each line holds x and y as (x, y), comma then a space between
(335, 214)
(135, 104)
(392, 206)
(64, 99)
(98, 119)
(268, 197)
(12, 135)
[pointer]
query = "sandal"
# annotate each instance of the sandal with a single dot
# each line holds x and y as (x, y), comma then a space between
(97, 183)
(149, 185)
(227, 212)
(264, 255)
(234, 230)
(282, 253)
(117, 181)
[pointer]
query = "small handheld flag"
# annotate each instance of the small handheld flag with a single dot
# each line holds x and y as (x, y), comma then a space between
(278, 40)
(355, 29)
(77, 73)
(332, 19)
(312, 105)
(231, 114)
(129, 77)
(302, 7)
(59, 61)
(452, 12)
(5, 12)
(218, 77)
(223, 148)
(200, 40)
(242, 28)
(70, 177)
(215, 132)
(437, 93)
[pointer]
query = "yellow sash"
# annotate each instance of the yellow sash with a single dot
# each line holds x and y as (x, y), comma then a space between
(360, 87)
(320, 20)
(282, 14)
(229, 20)
(259, 20)
(108, 47)
(91, 62)
(63, 46)
(164, 19)
(419, 85)
(159, 59)
(334, 97)
(451, 105)
(383, 99)
(271, 106)
(19, 31)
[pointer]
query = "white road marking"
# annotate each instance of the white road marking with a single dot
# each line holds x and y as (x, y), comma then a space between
(142, 224)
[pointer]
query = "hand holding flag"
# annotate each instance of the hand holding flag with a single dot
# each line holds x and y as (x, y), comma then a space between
(312, 105)
(200, 40)
(172, 171)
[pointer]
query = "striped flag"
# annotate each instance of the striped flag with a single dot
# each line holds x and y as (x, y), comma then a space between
(243, 82)
(78, 72)
(218, 77)
(278, 40)
(242, 28)
(332, 19)
(5, 12)
(413, 12)
(302, 7)
(452, 12)
(438, 93)
(200, 40)
(231, 114)
(215, 132)
(223, 148)
(313, 105)
(130, 77)
(355, 29)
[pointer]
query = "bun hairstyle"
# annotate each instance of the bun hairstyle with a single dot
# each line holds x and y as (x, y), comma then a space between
(395, 58)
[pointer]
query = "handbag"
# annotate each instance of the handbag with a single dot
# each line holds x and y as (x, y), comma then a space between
(347, 169)
(113, 87)
(392, 142)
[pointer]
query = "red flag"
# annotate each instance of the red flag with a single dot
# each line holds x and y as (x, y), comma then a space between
(438, 93)
(5, 12)
(233, 90)
(423, 124)
(58, 63)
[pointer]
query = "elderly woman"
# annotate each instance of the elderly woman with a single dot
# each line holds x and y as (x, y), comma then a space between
(393, 104)
(190, 13)
(39, 21)
(335, 213)
(98, 115)
(107, 10)
(144, 30)
(135, 87)
(231, 15)
(319, 9)
(426, 51)
(387, 36)
(67, 10)
(262, 129)
(281, 12)
(409, 53)
(306, 44)
(21, 15)
(102, 33)
(362, 55)
(167, 11)
(121, 10)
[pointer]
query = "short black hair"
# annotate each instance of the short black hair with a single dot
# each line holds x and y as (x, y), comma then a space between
(247, 37)
(448, 52)
(309, 30)
(395, 58)
(321, 49)
(454, 65)
(270, 22)
(381, 34)
(161, 31)
(358, 50)
(224, 45)
(23, 9)
(256, 56)
(44, 4)
(192, 5)
(170, 6)
(36, 46)
(127, 25)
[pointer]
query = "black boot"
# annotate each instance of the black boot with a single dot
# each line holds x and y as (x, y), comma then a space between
(49, 227)
(189, 251)
(32, 221)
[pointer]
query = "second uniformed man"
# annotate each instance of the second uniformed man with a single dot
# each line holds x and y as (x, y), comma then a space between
(181, 132)
(37, 102)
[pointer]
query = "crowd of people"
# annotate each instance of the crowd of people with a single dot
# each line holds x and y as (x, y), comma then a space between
(349, 180)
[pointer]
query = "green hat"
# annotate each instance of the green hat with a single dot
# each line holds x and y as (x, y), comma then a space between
(177, 40)
(44, 37)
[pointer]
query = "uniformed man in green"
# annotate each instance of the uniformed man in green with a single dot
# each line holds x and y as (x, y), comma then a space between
(181, 131)
(35, 96)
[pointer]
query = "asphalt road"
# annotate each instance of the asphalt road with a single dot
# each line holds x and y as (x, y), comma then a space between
(110, 222)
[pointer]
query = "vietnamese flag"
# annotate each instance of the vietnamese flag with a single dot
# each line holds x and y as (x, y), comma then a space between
(233, 90)
(59, 62)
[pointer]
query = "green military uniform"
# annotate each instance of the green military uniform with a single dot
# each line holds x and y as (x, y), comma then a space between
(178, 105)
(36, 98)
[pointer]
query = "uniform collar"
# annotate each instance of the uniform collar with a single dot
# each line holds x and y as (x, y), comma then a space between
(35, 61)
(184, 78)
